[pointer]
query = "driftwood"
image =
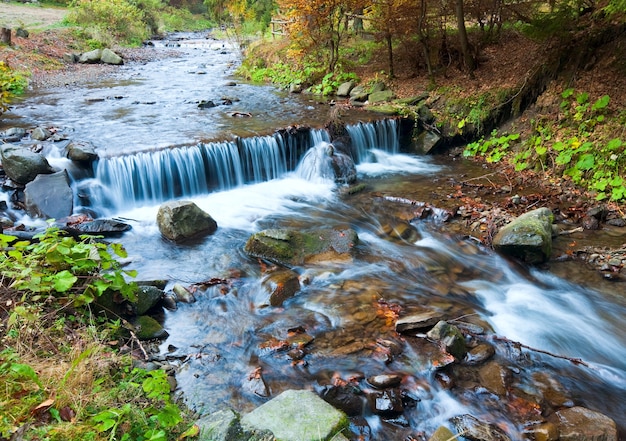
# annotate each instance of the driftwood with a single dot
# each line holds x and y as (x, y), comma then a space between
(5, 36)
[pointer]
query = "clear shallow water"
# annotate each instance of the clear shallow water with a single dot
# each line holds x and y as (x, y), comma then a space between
(348, 308)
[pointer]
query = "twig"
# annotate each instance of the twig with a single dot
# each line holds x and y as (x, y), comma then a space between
(575, 230)
(576, 361)
(481, 177)
(143, 351)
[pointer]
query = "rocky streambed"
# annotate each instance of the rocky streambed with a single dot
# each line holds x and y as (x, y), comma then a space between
(383, 297)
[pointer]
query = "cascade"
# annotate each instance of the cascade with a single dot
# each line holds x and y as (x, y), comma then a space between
(148, 178)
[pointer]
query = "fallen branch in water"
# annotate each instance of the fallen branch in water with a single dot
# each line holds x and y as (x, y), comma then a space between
(576, 361)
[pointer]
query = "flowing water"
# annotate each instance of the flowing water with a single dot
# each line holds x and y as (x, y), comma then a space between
(229, 338)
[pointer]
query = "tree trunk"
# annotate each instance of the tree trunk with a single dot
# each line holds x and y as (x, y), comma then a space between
(5, 36)
(470, 63)
(390, 54)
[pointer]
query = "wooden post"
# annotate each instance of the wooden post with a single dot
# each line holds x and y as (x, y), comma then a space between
(5, 36)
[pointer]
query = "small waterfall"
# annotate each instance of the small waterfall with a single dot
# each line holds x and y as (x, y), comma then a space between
(149, 178)
(380, 135)
(316, 165)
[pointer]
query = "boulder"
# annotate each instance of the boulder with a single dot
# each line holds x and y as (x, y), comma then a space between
(222, 425)
(13, 134)
(528, 237)
(495, 378)
(582, 424)
(378, 86)
(40, 134)
(109, 57)
(297, 415)
(22, 165)
(345, 88)
(427, 140)
(280, 285)
(147, 328)
(442, 434)
(22, 33)
(81, 151)
(180, 220)
(147, 298)
(293, 247)
(295, 88)
(91, 57)
(359, 94)
(49, 196)
(380, 96)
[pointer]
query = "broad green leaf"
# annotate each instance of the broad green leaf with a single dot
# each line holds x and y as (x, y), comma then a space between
(601, 103)
(614, 144)
(586, 162)
(64, 280)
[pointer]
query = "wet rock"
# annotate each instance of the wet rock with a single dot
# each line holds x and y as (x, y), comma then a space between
(451, 338)
(476, 430)
(180, 220)
(91, 57)
(590, 223)
(528, 237)
(479, 354)
(442, 434)
(385, 381)
(22, 165)
(400, 230)
(109, 57)
(297, 415)
(293, 247)
(13, 134)
(582, 424)
(183, 294)
(49, 196)
(147, 298)
(418, 322)
(543, 432)
(254, 384)
(100, 227)
(386, 403)
(347, 398)
(40, 134)
(222, 425)
(427, 140)
(551, 390)
(280, 285)
(344, 88)
(495, 378)
(147, 328)
(206, 104)
(81, 151)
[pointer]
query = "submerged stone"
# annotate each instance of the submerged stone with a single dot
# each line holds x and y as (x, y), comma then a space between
(582, 424)
(280, 285)
(474, 429)
(297, 415)
(293, 247)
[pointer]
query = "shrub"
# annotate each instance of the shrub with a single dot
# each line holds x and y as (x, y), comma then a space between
(11, 83)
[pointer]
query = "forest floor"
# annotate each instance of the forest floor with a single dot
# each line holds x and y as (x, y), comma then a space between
(487, 201)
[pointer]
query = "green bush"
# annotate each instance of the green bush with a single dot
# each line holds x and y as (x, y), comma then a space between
(124, 21)
(11, 83)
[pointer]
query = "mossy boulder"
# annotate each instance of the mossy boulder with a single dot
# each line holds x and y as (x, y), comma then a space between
(293, 248)
(147, 328)
(528, 237)
(297, 415)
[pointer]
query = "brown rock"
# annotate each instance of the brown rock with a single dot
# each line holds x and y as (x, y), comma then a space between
(582, 424)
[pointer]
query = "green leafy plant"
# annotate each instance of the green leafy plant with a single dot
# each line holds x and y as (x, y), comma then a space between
(63, 267)
(12, 83)
(494, 148)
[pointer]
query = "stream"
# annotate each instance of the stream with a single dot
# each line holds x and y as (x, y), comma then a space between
(155, 145)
